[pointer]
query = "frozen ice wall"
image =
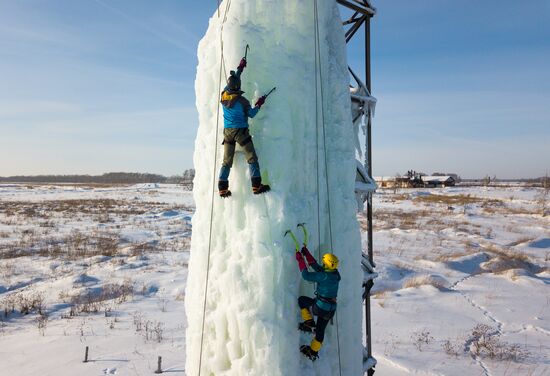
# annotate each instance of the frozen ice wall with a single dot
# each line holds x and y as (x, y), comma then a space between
(250, 325)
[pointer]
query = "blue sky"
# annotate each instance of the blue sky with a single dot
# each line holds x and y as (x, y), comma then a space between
(92, 86)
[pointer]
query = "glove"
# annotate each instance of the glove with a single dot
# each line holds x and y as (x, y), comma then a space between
(242, 64)
(260, 101)
(301, 262)
(310, 259)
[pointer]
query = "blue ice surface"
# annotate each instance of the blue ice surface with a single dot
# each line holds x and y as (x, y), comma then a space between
(170, 213)
(541, 243)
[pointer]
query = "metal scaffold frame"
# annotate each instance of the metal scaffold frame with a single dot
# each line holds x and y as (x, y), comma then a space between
(363, 108)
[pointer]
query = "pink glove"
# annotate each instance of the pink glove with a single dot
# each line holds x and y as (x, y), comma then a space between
(310, 259)
(301, 262)
(260, 101)
(242, 64)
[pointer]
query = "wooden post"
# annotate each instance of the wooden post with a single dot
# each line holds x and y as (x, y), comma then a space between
(159, 366)
(86, 355)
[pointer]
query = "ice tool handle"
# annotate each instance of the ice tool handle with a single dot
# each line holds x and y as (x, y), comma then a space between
(242, 64)
(295, 241)
(270, 91)
(261, 100)
(306, 234)
(296, 244)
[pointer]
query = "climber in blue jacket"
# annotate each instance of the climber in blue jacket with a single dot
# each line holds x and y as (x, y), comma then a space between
(236, 111)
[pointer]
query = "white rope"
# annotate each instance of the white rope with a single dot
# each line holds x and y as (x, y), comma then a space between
(213, 192)
(320, 74)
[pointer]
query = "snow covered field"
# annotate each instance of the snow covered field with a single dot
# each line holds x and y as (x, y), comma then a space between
(463, 286)
(464, 282)
(107, 268)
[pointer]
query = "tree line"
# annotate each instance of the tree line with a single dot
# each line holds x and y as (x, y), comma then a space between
(108, 178)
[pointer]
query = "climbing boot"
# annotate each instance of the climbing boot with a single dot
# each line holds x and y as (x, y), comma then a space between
(307, 326)
(258, 187)
(309, 353)
(312, 351)
(223, 187)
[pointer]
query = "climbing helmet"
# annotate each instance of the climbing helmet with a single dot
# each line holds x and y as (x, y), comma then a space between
(330, 261)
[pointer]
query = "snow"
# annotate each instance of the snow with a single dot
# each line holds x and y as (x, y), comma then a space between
(152, 257)
(251, 312)
(483, 259)
(458, 251)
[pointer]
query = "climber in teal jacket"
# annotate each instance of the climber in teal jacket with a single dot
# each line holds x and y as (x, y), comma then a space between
(323, 306)
(236, 111)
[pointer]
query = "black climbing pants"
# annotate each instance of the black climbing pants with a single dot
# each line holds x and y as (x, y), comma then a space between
(323, 317)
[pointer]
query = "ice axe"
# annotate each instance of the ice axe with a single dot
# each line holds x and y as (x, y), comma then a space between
(242, 64)
(270, 91)
(261, 100)
(304, 229)
(296, 244)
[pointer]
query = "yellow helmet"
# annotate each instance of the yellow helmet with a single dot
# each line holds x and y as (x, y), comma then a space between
(330, 261)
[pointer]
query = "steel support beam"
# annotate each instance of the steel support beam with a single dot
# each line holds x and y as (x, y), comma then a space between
(351, 32)
(362, 7)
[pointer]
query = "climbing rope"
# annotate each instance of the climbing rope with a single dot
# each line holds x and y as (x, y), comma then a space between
(318, 68)
(318, 58)
(317, 133)
(213, 188)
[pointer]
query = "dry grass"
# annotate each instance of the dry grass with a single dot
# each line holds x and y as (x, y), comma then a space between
(505, 259)
(424, 280)
(386, 219)
(382, 294)
(503, 209)
(421, 339)
(44, 209)
(76, 245)
(7, 270)
(521, 241)
(453, 256)
(485, 342)
(150, 330)
(456, 200)
(468, 228)
(395, 197)
(381, 297)
(92, 301)
(23, 302)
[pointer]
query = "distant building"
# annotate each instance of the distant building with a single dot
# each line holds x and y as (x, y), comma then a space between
(415, 180)
(452, 175)
(393, 181)
(438, 181)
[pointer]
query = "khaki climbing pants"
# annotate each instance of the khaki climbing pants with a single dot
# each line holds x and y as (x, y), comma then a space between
(232, 136)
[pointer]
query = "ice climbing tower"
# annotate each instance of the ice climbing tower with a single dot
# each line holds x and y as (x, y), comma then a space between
(243, 282)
